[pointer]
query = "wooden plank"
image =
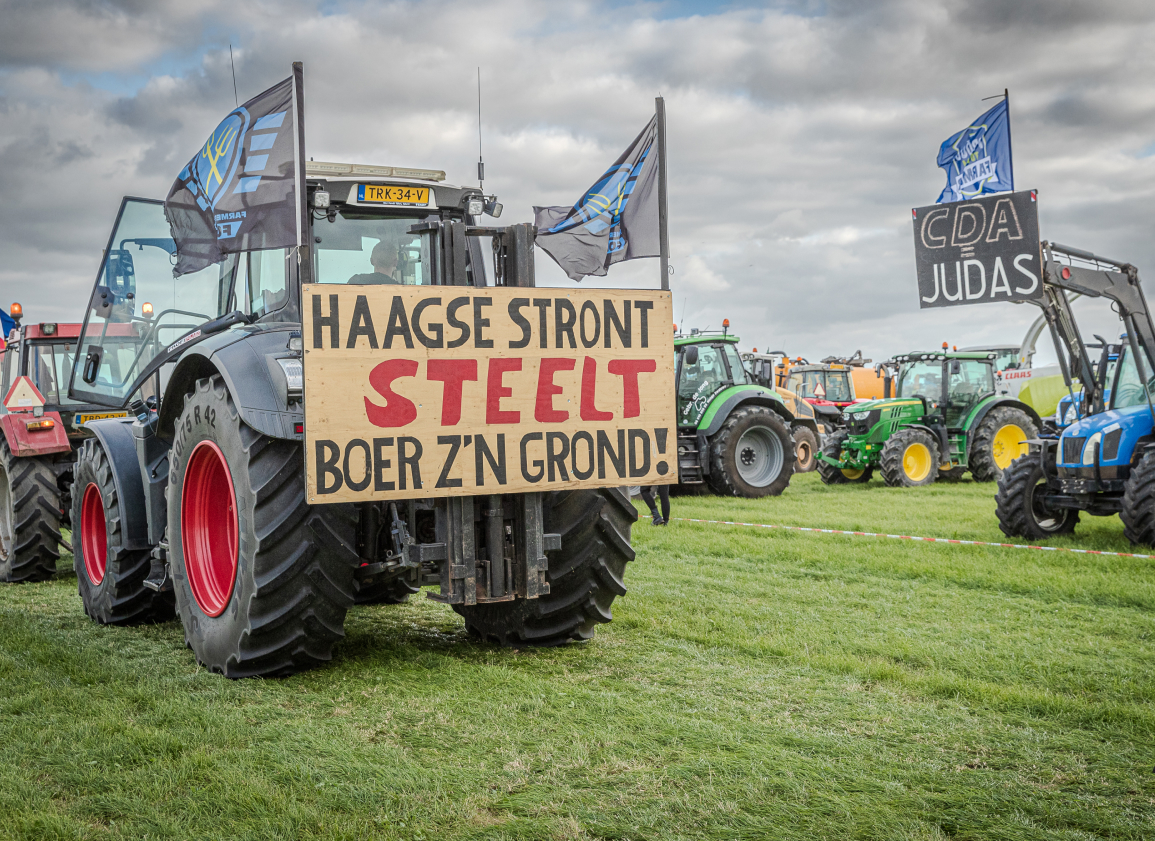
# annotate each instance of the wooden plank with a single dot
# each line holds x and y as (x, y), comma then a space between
(424, 391)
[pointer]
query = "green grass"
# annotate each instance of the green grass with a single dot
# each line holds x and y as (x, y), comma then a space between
(754, 684)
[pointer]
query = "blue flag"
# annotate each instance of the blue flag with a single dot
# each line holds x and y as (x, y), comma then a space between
(7, 322)
(977, 159)
(616, 219)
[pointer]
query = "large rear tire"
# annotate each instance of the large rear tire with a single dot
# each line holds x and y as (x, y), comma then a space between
(109, 577)
(1020, 503)
(832, 475)
(998, 441)
(752, 455)
(29, 517)
(1138, 514)
(805, 448)
(585, 575)
(262, 580)
(909, 459)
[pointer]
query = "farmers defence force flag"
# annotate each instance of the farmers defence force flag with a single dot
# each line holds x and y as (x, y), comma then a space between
(616, 219)
(977, 159)
(240, 191)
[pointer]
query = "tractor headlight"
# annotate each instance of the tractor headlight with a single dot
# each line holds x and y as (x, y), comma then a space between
(860, 415)
(294, 376)
(1089, 448)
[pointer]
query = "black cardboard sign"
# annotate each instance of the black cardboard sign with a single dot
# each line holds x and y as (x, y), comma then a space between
(978, 251)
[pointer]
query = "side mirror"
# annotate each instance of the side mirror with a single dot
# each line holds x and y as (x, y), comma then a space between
(692, 355)
(121, 274)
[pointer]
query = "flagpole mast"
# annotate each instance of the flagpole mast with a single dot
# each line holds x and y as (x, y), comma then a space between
(663, 233)
(304, 257)
(1010, 150)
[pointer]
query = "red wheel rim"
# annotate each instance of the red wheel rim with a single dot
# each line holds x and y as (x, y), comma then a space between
(93, 533)
(209, 530)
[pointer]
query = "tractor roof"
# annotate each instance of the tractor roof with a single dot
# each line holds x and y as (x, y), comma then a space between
(50, 330)
(342, 179)
(818, 366)
(705, 339)
(930, 356)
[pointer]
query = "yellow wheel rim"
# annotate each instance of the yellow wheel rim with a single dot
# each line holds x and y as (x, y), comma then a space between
(916, 462)
(1008, 445)
(852, 474)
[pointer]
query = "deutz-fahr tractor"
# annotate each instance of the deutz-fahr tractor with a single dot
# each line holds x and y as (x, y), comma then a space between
(197, 502)
(944, 419)
(42, 430)
(734, 435)
(1103, 462)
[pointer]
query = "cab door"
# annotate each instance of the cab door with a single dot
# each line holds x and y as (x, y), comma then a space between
(138, 311)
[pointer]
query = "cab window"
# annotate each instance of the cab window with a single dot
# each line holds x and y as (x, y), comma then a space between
(360, 248)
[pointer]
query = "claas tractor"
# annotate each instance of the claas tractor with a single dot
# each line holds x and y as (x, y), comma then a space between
(734, 435)
(944, 420)
(198, 502)
(41, 430)
(1103, 462)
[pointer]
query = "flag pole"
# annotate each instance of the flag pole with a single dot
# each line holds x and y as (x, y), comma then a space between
(1010, 150)
(304, 257)
(663, 233)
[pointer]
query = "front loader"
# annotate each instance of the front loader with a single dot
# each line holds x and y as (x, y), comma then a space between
(207, 501)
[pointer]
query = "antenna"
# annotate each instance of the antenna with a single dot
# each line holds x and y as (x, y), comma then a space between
(480, 160)
(233, 67)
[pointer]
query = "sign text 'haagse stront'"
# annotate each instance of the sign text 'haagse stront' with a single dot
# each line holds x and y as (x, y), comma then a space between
(423, 391)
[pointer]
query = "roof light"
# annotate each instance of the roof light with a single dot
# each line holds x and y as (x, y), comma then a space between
(16, 311)
(321, 198)
(320, 169)
(475, 206)
(944, 345)
(47, 328)
(146, 309)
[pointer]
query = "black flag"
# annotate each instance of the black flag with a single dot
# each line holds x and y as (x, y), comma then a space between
(240, 192)
(616, 219)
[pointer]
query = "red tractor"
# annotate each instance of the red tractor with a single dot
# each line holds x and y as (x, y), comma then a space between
(41, 430)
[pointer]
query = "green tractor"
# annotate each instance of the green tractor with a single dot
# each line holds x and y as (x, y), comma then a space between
(734, 435)
(944, 419)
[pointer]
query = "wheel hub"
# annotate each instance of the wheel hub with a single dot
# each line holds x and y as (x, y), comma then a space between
(94, 533)
(760, 456)
(1008, 445)
(209, 528)
(916, 462)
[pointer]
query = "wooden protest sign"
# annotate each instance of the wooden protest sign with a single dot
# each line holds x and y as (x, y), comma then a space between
(425, 391)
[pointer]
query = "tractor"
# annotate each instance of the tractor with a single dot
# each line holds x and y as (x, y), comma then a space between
(944, 419)
(197, 502)
(734, 435)
(1103, 462)
(43, 429)
(807, 441)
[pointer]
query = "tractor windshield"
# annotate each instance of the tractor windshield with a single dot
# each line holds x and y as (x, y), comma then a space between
(698, 381)
(838, 386)
(353, 246)
(138, 309)
(921, 379)
(49, 366)
(1129, 389)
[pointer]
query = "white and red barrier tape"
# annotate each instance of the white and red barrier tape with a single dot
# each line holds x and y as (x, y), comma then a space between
(911, 537)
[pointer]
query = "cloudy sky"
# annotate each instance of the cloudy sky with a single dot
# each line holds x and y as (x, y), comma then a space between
(801, 133)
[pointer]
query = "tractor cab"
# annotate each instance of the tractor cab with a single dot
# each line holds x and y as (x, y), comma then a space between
(822, 385)
(950, 384)
(706, 366)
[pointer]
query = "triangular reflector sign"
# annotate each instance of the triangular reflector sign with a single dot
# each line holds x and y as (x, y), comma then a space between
(23, 396)
(819, 391)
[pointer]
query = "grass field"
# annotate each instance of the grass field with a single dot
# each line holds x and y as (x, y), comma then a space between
(754, 684)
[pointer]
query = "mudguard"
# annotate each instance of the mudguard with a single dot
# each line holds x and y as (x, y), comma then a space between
(758, 397)
(246, 360)
(38, 443)
(115, 435)
(982, 411)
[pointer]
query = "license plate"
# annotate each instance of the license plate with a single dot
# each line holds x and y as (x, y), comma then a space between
(381, 194)
(81, 420)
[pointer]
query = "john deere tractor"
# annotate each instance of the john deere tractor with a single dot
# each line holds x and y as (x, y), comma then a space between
(944, 420)
(734, 435)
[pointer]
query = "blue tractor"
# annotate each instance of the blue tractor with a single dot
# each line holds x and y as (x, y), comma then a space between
(1104, 462)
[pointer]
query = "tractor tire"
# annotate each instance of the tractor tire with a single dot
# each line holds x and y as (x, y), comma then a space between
(752, 455)
(832, 475)
(29, 517)
(1138, 514)
(109, 577)
(395, 591)
(997, 442)
(262, 580)
(585, 575)
(909, 459)
(1021, 508)
(805, 447)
